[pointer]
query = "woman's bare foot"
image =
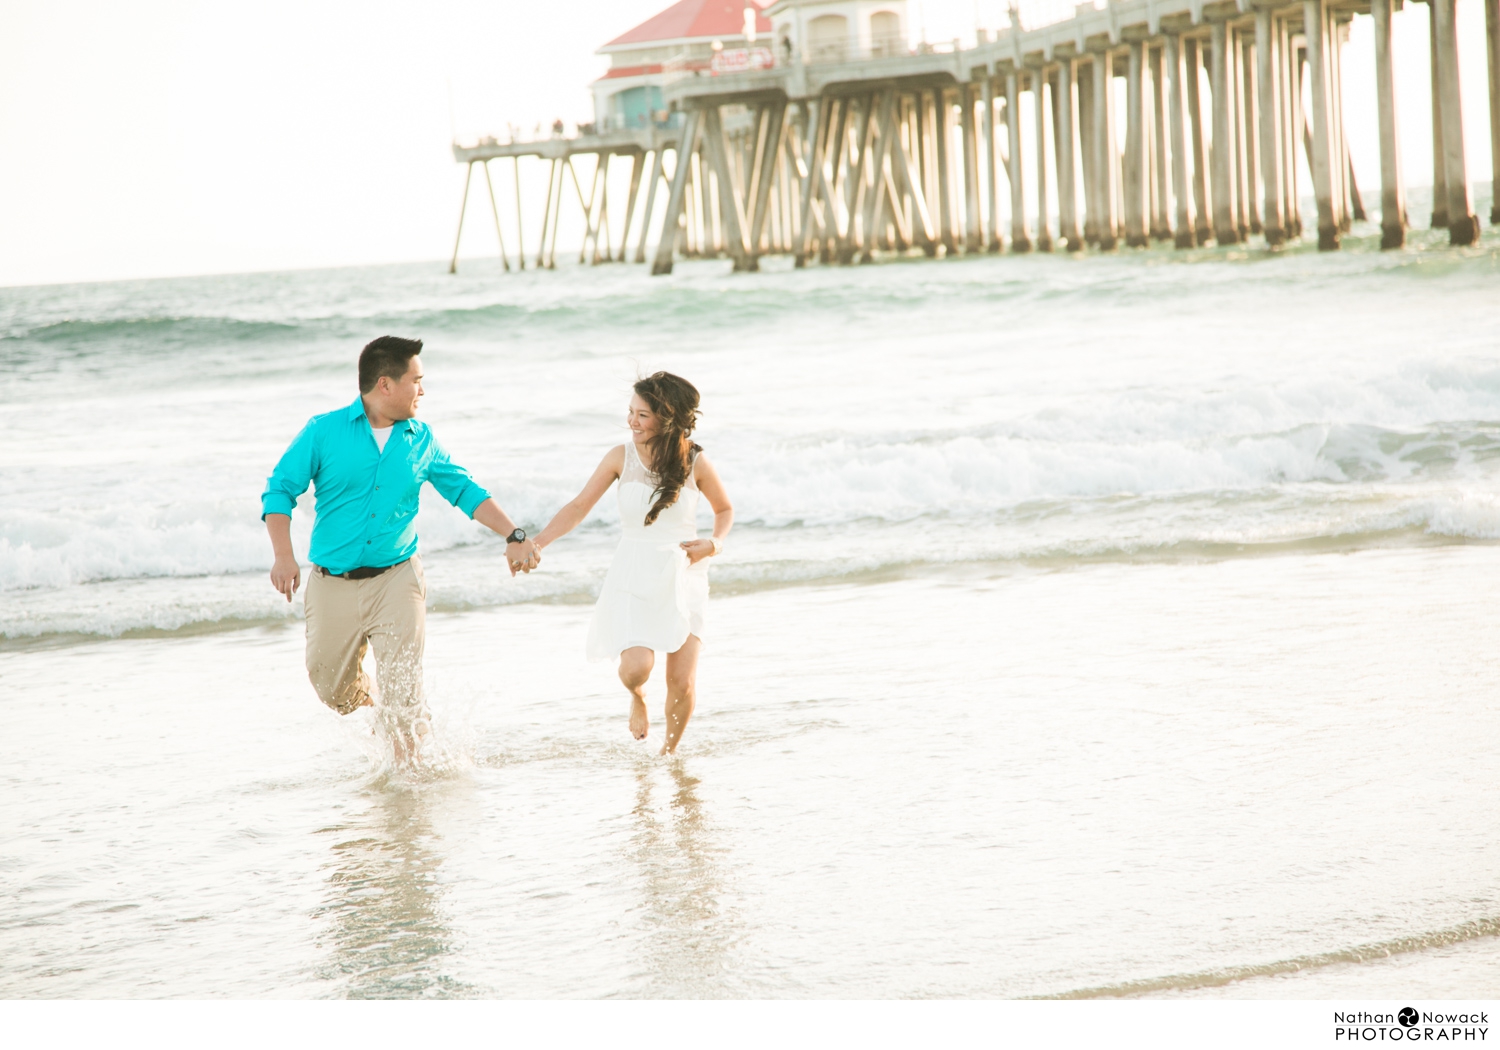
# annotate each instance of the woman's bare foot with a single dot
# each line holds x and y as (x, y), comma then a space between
(635, 672)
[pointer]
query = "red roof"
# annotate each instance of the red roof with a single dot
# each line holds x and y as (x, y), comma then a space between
(631, 71)
(695, 18)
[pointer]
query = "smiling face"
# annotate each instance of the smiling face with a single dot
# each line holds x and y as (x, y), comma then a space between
(642, 422)
(397, 399)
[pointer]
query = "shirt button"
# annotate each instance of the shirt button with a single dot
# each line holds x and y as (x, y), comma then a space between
(372, 515)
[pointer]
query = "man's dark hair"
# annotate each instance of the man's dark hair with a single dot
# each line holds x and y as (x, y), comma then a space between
(388, 356)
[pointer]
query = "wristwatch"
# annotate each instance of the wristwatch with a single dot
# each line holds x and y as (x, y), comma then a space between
(518, 536)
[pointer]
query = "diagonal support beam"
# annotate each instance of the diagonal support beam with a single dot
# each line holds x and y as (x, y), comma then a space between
(885, 130)
(666, 246)
(638, 162)
(656, 175)
(463, 205)
(495, 211)
(819, 119)
(923, 232)
(773, 143)
(731, 207)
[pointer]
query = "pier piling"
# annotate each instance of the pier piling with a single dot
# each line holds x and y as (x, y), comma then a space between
(991, 162)
(1135, 151)
(1203, 224)
(1088, 141)
(1463, 224)
(1020, 236)
(1316, 29)
(1173, 62)
(1439, 157)
(1267, 56)
(1161, 170)
(1065, 110)
(1492, 52)
(520, 230)
(1043, 208)
(1291, 122)
(1226, 225)
(1106, 161)
(1247, 147)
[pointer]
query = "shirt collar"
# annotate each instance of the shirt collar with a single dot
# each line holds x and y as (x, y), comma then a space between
(357, 411)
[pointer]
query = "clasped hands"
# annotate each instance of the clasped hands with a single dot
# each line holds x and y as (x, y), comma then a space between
(523, 556)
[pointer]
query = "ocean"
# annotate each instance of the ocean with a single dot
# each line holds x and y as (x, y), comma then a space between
(1091, 625)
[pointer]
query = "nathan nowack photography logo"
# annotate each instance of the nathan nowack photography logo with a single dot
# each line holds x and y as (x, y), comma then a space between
(1410, 1025)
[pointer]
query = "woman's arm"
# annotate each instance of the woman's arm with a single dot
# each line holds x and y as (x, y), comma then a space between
(573, 512)
(707, 480)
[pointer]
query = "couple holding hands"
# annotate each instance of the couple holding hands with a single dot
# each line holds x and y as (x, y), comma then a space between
(366, 464)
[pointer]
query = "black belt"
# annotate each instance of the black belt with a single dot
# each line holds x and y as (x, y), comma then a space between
(362, 573)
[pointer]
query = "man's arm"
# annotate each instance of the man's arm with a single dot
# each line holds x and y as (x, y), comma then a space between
(284, 487)
(286, 574)
(456, 486)
(521, 556)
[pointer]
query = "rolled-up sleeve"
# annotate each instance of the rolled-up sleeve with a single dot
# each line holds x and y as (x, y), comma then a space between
(453, 482)
(293, 473)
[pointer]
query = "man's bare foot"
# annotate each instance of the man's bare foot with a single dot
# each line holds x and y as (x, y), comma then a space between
(408, 742)
(640, 722)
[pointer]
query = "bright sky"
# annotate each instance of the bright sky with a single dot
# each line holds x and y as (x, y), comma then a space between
(167, 137)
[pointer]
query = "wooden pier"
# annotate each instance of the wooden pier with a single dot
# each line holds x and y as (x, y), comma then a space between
(836, 160)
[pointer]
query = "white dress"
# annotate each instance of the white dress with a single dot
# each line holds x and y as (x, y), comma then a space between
(653, 596)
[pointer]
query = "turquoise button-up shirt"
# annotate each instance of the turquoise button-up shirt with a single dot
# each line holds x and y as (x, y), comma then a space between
(366, 499)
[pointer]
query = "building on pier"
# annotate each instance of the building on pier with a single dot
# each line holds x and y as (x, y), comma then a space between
(1180, 120)
(690, 37)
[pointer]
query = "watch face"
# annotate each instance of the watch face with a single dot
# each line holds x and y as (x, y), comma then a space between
(519, 536)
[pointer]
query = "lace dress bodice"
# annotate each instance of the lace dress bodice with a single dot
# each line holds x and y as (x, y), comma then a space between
(637, 494)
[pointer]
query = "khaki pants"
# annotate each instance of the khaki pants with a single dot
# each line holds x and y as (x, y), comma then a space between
(346, 617)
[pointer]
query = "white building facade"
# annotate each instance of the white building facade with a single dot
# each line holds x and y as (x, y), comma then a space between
(819, 31)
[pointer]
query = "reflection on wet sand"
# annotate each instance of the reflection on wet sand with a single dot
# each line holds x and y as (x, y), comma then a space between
(383, 907)
(690, 933)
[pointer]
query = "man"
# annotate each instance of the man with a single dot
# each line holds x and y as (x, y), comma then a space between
(367, 463)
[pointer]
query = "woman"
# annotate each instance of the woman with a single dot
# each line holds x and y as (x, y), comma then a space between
(656, 593)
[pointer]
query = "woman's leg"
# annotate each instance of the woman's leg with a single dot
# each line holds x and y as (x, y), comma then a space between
(682, 690)
(635, 669)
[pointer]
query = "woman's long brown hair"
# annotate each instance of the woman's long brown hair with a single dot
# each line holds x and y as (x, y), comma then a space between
(674, 402)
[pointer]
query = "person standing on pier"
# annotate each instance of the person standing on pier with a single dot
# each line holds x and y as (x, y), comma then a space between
(366, 463)
(655, 595)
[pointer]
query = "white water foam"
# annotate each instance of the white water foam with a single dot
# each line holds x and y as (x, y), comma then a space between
(144, 419)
